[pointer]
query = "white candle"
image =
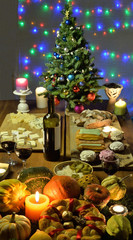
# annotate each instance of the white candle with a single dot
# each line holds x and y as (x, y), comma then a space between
(118, 209)
(41, 101)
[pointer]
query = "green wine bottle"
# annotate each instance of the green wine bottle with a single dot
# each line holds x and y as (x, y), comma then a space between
(52, 136)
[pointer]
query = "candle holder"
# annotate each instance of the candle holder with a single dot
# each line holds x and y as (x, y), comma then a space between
(112, 91)
(23, 106)
(118, 209)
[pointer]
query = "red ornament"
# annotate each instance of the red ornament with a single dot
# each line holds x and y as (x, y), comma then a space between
(91, 96)
(56, 101)
(79, 108)
(76, 89)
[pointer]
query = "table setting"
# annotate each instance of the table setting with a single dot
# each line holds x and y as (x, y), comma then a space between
(33, 180)
(66, 165)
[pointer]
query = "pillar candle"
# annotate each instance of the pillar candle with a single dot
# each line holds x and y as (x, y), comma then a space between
(21, 84)
(120, 107)
(41, 101)
(34, 205)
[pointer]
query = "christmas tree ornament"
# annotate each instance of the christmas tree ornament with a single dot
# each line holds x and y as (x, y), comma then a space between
(61, 78)
(79, 108)
(55, 54)
(81, 84)
(56, 101)
(76, 89)
(64, 39)
(70, 77)
(68, 22)
(65, 92)
(61, 66)
(57, 46)
(91, 96)
(77, 58)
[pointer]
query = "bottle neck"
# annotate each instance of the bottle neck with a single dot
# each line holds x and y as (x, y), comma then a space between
(51, 104)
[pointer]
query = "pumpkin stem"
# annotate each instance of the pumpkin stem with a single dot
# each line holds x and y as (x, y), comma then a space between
(130, 175)
(13, 218)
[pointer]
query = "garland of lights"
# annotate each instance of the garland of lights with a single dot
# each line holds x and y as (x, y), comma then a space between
(99, 11)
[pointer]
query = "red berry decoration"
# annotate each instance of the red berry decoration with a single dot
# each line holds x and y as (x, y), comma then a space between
(79, 108)
(91, 97)
(56, 101)
(76, 89)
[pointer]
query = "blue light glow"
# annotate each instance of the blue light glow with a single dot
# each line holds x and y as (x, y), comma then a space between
(34, 30)
(99, 10)
(76, 10)
(20, 10)
(58, 8)
(41, 48)
(125, 58)
(99, 27)
(117, 24)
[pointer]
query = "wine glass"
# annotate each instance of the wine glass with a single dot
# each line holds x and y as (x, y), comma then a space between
(7, 143)
(23, 151)
(110, 167)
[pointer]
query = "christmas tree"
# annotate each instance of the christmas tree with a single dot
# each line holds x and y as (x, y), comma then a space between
(71, 73)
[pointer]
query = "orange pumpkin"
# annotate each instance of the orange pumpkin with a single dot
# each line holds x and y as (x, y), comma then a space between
(62, 187)
(97, 194)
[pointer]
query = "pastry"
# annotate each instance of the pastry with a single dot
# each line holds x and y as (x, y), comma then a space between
(87, 156)
(72, 218)
(92, 146)
(117, 146)
(94, 118)
(116, 135)
(98, 124)
(89, 134)
(107, 155)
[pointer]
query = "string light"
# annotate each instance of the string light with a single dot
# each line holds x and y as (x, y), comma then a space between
(97, 28)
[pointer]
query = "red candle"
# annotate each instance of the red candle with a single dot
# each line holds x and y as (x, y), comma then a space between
(21, 84)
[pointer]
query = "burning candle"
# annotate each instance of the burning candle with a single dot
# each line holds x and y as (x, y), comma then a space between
(34, 205)
(118, 209)
(120, 107)
(21, 84)
(41, 101)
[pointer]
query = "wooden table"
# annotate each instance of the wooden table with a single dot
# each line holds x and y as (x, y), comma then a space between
(37, 158)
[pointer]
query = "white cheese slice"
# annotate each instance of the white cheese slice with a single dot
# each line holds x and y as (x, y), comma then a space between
(26, 133)
(33, 143)
(7, 138)
(21, 136)
(21, 130)
(21, 142)
(40, 140)
(34, 136)
(4, 133)
(14, 132)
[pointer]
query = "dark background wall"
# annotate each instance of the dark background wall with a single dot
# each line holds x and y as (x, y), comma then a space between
(8, 47)
(15, 42)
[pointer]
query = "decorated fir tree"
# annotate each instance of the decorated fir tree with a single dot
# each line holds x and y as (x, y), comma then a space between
(71, 74)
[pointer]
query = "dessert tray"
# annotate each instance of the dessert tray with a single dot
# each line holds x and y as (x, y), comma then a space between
(126, 158)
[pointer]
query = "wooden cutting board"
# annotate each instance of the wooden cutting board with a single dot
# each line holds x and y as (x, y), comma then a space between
(7, 125)
(126, 158)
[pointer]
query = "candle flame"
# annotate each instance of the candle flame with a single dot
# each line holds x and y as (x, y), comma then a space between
(37, 196)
